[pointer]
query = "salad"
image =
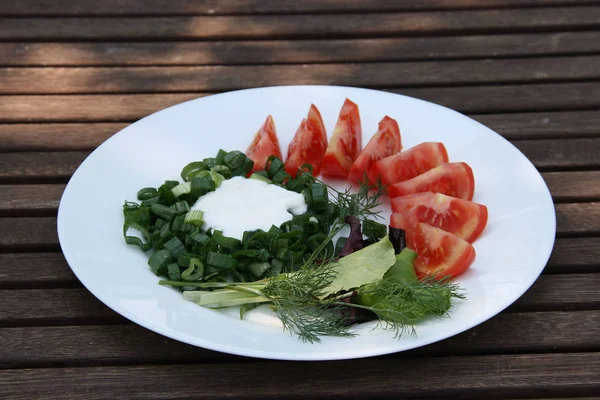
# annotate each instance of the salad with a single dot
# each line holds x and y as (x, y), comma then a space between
(331, 261)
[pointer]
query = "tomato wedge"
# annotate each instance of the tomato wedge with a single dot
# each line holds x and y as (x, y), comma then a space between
(345, 143)
(385, 142)
(452, 179)
(308, 145)
(408, 164)
(264, 145)
(440, 254)
(461, 217)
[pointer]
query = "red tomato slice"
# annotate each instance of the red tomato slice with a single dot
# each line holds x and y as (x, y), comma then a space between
(385, 142)
(345, 143)
(440, 254)
(461, 217)
(408, 164)
(452, 179)
(264, 145)
(309, 144)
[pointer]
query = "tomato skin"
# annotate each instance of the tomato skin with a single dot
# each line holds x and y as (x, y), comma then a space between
(452, 179)
(308, 145)
(385, 142)
(345, 144)
(440, 254)
(264, 145)
(409, 164)
(461, 217)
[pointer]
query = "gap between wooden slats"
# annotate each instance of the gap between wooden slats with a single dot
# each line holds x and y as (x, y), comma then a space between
(301, 26)
(297, 51)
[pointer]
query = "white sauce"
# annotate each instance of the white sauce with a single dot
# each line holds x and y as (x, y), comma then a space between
(241, 204)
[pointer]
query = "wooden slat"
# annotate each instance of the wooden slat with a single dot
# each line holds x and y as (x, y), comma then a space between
(28, 233)
(550, 153)
(30, 199)
(44, 137)
(61, 137)
(480, 99)
(569, 186)
(129, 344)
(27, 307)
(575, 255)
(30, 270)
(541, 125)
(53, 80)
(214, 7)
(299, 26)
(489, 376)
(296, 51)
(582, 218)
(572, 153)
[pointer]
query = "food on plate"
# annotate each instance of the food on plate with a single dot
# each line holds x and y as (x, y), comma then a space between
(453, 179)
(463, 218)
(308, 145)
(264, 144)
(345, 144)
(409, 164)
(440, 254)
(385, 142)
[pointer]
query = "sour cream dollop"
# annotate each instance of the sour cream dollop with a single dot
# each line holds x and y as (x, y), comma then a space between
(241, 204)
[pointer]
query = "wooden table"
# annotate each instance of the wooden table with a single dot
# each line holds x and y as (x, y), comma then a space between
(71, 75)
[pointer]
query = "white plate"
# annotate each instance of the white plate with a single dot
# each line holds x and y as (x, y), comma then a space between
(511, 253)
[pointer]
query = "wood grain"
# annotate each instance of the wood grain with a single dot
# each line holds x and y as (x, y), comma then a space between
(35, 270)
(80, 136)
(575, 255)
(489, 376)
(570, 186)
(30, 199)
(572, 153)
(30, 347)
(40, 165)
(577, 219)
(565, 292)
(53, 80)
(296, 51)
(481, 99)
(299, 26)
(214, 7)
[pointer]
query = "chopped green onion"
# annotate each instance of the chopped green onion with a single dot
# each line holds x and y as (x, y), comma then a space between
(222, 170)
(181, 189)
(234, 160)
(181, 207)
(225, 242)
(158, 261)
(200, 237)
(147, 193)
(260, 176)
(221, 156)
(210, 162)
(134, 240)
(221, 261)
(258, 269)
(162, 211)
(190, 170)
(195, 217)
(316, 196)
(201, 186)
(175, 246)
(174, 272)
(216, 177)
(194, 272)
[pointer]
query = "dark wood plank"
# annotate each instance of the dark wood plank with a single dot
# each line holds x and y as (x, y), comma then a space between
(299, 26)
(61, 137)
(214, 7)
(28, 233)
(30, 199)
(574, 219)
(479, 99)
(489, 376)
(543, 125)
(44, 137)
(296, 51)
(41, 165)
(53, 307)
(29, 307)
(571, 153)
(575, 255)
(31, 270)
(223, 78)
(570, 186)
(30, 347)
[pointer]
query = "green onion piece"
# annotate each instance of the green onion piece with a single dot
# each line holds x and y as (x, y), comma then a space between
(260, 176)
(181, 207)
(174, 272)
(225, 242)
(147, 193)
(160, 223)
(175, 246)
(280, 176)
(221, 156)
(201, 186)
(316, 196)
(276, 267)
(181, 189)
(200, 237)
(274, 165)
(134, 240)
(165, 233)
(158, 261)
(190, 170)
(195, 217)
(216, 177)
(234, 160)
(162, 211)
(165, 196)
(178, 224)
(258, 269)
(260, 254)
(222, 170)
(194, 272)
(373, 230)
(221, 261)
(210, 162)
